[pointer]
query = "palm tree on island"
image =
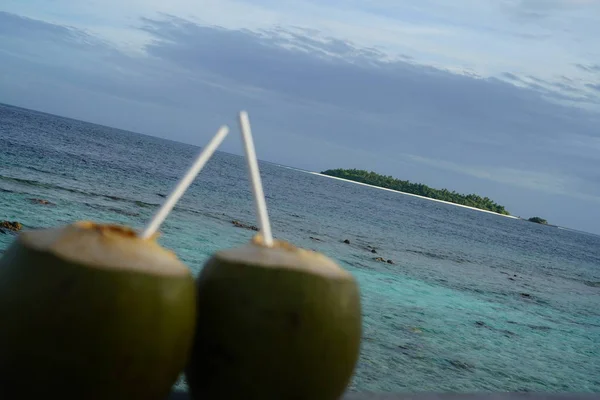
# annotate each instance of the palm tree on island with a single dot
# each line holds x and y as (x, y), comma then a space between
(389, 182)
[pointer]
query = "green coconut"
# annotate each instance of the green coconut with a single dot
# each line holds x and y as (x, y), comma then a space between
(92, 311)
(274, 323)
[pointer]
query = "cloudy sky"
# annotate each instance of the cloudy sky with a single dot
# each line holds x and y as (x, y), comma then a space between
(496, 97)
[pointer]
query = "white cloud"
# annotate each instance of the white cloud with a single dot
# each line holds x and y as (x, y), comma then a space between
(463, 34)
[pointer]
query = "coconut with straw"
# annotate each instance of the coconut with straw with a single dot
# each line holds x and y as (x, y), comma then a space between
(273, 321)
(95, 311)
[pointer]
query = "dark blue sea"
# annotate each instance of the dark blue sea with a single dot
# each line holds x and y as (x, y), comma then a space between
(474, 301)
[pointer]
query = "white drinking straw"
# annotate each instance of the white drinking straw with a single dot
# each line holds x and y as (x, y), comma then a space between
(257, 189)
(184, 183)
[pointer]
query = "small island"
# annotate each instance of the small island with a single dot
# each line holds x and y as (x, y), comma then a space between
(538, 220)
(389, 182)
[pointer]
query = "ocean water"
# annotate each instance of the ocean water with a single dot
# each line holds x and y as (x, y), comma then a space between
(474, 301)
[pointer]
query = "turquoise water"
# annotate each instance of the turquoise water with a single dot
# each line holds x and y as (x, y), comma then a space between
(449, 315)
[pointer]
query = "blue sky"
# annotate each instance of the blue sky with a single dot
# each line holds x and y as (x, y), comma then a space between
(496, 97)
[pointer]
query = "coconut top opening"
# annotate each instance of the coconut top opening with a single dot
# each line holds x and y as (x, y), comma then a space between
(284, 255)
(106, 246)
